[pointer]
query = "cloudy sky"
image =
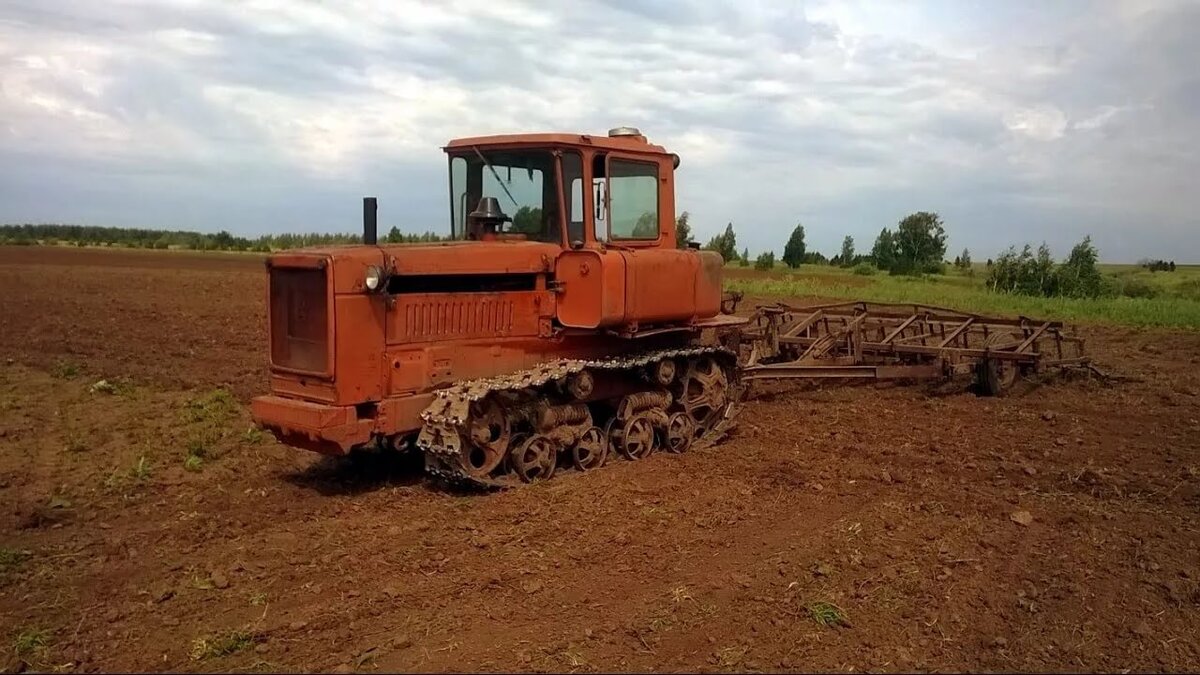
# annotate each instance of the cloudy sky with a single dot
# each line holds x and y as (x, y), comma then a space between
(1017, 121)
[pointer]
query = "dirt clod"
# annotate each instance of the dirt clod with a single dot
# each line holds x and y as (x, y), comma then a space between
(1023, 518)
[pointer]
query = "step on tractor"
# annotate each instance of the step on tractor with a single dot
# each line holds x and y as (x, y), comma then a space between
(561, 323)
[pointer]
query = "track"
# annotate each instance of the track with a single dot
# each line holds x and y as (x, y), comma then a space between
(518, 424)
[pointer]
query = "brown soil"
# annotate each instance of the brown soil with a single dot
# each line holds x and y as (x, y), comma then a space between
(897, 506)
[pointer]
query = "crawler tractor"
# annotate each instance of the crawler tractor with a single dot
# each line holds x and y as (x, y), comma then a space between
(561, 322)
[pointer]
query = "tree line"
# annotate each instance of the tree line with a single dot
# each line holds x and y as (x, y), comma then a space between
(917, 246)
(127, 237)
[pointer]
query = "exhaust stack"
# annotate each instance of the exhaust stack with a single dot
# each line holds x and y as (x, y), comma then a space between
(370, 221)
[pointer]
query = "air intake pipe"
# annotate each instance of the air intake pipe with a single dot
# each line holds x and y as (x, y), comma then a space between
(370, 221)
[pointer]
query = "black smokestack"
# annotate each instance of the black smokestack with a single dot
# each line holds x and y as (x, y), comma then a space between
(370, 220)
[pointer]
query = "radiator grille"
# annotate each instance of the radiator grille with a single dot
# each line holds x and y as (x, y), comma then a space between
(457, 318)
(299, 320)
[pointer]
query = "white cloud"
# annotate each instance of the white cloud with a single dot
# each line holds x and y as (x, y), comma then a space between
(1042, 123)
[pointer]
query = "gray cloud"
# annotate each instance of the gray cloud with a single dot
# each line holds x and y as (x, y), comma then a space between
(1018, 121)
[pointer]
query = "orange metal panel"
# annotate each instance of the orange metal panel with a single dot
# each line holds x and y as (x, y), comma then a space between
(472, 257)
(621, 143)
(592, 288)
(660, 285)
(329, 430)
(708, 284)
(359, 349)
(401, 414)
(312, 389)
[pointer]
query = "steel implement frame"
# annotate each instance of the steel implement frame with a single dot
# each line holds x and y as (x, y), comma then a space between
(869, 340)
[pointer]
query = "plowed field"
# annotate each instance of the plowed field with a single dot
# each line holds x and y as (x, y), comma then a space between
(851, 528)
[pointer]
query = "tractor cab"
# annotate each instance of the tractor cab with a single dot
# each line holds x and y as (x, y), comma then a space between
(577, 191)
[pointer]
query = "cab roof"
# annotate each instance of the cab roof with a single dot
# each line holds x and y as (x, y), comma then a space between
(636, 143)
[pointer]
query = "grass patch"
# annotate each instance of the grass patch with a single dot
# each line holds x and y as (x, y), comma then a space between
(11, 559)
(30, 640)
(965, 293)
(193, 463)
(65, 370)
(827, 614)
(140, 471)
(258, 599)
(214, 407)
(253, 436)
(223, 644)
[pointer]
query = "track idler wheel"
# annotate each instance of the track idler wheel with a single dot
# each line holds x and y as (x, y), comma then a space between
(590, 451)
(680, 431)
(704, 392)
(636, 439)
(534, 458)
(488, 439)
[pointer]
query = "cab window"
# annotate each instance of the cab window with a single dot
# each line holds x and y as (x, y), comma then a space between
(633, 199)
(572, 172)
(523, 183)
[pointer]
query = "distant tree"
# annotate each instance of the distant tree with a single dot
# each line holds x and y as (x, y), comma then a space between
(847, 255)
(646, 226)
(1172, 266)
(793, 252)
(765, 261)
(964, 260)
(744, 261)
(725, 244)
(527, 220)
(920, 243)
(1025, 273)
(683, 230)
(1078, 276)
(394, 236)
(883, 253)
(815, 258)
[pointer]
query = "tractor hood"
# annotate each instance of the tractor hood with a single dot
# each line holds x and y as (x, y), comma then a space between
(470, 257)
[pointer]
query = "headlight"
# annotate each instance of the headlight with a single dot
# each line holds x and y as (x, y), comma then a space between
(373, 279)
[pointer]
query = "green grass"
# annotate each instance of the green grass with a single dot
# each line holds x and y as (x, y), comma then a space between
(213, 407)
(1176, 304)
(10, 559)
(30, 640)
(827, 614)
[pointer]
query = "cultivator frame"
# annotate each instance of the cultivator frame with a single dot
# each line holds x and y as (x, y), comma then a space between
(882, 341)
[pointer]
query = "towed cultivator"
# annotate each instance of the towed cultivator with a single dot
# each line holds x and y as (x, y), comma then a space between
(571, 325)
(878, 341)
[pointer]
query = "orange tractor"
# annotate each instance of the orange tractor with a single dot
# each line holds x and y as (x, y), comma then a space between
(561, 321)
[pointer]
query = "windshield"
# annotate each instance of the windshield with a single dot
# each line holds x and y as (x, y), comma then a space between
(522, 181)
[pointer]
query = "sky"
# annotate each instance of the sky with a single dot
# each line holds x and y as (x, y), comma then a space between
(1017, 121)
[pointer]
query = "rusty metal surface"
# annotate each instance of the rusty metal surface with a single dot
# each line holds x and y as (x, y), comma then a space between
(862, 340)
(448, 419)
